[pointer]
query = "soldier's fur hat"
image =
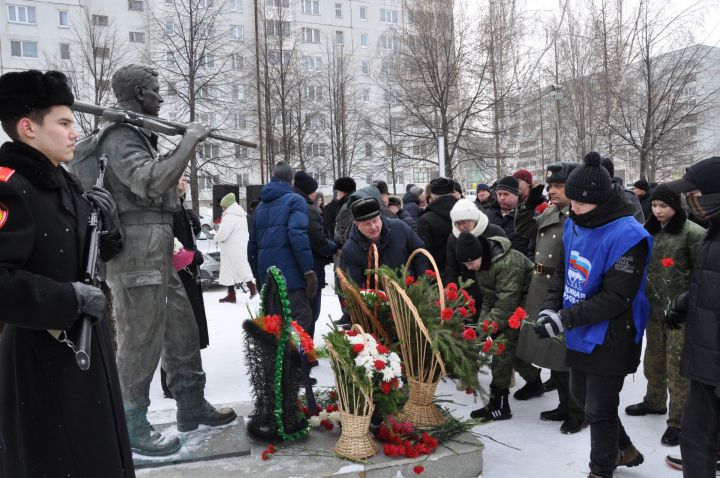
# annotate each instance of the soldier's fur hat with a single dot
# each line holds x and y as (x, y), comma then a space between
(23, 92)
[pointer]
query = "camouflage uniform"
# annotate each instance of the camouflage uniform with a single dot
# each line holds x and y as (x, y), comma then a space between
(679, 241)
(504, 288)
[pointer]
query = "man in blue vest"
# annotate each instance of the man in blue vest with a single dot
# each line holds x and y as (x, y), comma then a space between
(598, 300)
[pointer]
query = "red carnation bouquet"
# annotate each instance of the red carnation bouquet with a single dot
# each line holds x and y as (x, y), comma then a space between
(299, 338)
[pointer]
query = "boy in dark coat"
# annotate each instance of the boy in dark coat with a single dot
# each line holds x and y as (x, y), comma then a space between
(435, 225)
(55, 419)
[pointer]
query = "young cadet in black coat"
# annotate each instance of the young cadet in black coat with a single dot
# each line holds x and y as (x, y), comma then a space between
(435, 225)
(55, 419)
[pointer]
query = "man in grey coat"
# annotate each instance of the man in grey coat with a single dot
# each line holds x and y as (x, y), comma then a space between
(548, 229)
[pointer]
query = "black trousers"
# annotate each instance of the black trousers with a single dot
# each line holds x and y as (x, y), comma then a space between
(600, 396)
(567, 402)
(700, 428)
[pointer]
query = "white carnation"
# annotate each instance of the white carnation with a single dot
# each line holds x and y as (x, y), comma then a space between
(334, 417)
(315, 421)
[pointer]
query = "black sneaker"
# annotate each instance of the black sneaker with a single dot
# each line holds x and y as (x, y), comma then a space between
(572, 426)
(530, 390)
(671, 437)
(640, 409)
(556, 415)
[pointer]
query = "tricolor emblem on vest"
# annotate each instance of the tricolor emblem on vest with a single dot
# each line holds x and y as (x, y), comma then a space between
(579, 270)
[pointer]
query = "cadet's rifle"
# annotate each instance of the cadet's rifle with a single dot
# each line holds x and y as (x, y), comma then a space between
(153, 123)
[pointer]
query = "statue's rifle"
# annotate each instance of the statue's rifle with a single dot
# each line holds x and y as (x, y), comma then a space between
(153, 123)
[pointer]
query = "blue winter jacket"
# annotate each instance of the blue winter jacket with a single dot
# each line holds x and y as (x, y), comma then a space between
(278, 236)
(397, 242)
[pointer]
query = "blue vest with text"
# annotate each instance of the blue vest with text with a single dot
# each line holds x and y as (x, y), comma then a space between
(589, 254)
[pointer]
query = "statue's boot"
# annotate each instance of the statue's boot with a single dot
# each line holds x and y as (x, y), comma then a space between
(144, 440)
(194, 410)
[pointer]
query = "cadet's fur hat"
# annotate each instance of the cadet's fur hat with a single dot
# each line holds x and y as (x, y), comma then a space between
(22, 92)
(395, 201)
(381, 186)
(345, 184)
(559, 172)
(365, 208)
(440, 186)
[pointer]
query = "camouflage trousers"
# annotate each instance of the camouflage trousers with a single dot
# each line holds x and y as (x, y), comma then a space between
(662, 369)
(502, 365)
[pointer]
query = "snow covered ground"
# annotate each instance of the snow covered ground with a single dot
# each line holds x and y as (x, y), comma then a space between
(524, 446)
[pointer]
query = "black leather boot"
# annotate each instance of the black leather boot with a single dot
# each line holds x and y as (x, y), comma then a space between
(194, 411)
(144, 440)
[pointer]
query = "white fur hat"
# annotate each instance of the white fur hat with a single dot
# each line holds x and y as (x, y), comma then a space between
(465, 210)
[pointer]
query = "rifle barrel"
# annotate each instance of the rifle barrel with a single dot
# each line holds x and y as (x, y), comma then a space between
(170, 127)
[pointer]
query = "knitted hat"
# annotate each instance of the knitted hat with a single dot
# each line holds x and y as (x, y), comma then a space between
(24, 91)
(284, 171)
(465, 210)
(559, 172)
(668, 196)
(509, 184)
(415, 192)
(642, 184)
(365, 208)
(305, 183)
(589, 183)
(441, 186)
(457, 187)
(608, 165)
(482, 187)
(703, 175)
(395, 201)
(523, 175)
(381, 186)
(345, 184)
(228, 200)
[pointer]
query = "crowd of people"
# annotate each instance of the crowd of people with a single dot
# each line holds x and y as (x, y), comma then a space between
(596, 266)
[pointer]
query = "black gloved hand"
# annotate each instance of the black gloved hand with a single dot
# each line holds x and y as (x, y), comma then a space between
(549, 324)
(198, 259)
(676, 314)
(311, 284)
(535, 197)
(91, 301)
(101, 198)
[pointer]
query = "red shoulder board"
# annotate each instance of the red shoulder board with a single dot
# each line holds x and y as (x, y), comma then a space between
(5, 174)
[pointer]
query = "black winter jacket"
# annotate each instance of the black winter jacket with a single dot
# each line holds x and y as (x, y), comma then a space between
(434, 226)
(322, 249)
(619, 354)
(507, 223)
(329, 214)
(701, 352)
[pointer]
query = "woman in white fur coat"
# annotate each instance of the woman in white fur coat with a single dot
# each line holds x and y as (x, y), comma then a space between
(232, 236)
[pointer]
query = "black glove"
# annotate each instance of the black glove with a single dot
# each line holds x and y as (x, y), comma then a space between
(549, 324)
(676, 314)
(311, 284)
(101, 198)
(535, 197)
(198, 259)
(91, 301)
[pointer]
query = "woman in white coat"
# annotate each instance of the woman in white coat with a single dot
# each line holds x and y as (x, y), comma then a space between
(233, 239)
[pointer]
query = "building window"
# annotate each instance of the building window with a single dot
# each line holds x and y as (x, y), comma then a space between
(205, 3)
(240, 121)
(137, 37)
(363, 14)
(311, 35)
(363, 40)
(64, 51)
(169, 28)
(243, 179)
(172, 88)
(338, 10)
(241, 152)
(101, 51)
(237, 32)
(169, 58)
(390, 42)
(205, 182)
(365, 67)
(315, 121)
(275, 28)
(238, 92)
(366, 95)
(312, 63)
(368, 150)
(21, 14)
(169, 2)
(100, 20)
(23, 49)
(313, 92)
(207, 91)
(311, 7)
(339, 38)
(63, 19)
(274, 58)
(207, 61)
(209, 151)
(135, 5)
(236, 5)
(237, 61)
(278, 3)
(388, 16)
(314, 149)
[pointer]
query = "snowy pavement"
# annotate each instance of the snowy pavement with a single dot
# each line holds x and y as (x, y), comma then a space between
(538, 448)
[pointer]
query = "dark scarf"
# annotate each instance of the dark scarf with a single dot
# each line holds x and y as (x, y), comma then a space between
(705, 207)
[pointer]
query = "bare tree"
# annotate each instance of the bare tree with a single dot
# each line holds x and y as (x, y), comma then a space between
(92, 57)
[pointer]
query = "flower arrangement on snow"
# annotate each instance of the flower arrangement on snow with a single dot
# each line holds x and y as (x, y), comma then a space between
(300, 339)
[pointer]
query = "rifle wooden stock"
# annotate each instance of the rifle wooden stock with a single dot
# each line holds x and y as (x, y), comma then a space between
(158, 125)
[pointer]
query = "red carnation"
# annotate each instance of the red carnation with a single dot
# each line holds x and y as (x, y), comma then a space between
(485, 325)
(265, 455)
(469, 334)
(385, 387)
(487, 345)
(464, 312)
(409, 280)
(668, 262)
(357, 348)
(446, 313)
(418, 469)
(465, 295)
(382, 349)
(352, 333)
(494, 327)
(500, 349)
(514, 322)
(452, 286)
(430, 273)
(271, 448)
(389, 449)
(379, 364)
(451, 294)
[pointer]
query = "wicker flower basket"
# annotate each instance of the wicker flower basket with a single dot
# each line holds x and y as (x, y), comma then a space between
(355, 441)
(423, 366)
